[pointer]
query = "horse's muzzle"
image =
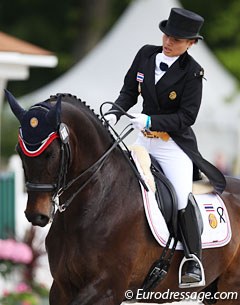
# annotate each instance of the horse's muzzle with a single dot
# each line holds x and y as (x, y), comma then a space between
(37, 219)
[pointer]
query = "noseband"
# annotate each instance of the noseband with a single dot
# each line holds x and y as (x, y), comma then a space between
(65, 158)
(61, 185)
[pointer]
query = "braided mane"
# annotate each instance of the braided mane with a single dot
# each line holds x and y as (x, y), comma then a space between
(74, 100)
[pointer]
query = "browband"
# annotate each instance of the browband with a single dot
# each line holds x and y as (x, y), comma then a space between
(44, 144)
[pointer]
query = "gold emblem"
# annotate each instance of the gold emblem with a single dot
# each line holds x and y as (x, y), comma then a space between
(172, 95)
(212, 220)
(34, 122)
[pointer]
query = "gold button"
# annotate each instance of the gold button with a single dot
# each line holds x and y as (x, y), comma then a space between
(172, 95)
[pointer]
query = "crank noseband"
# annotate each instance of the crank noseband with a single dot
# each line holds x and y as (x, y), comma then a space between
(65, 158)
(40, 187)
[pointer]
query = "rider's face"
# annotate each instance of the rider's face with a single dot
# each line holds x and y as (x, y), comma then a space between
(175, 46)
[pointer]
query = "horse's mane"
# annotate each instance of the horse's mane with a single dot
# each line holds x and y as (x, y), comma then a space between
(83, 106)
(76, 102)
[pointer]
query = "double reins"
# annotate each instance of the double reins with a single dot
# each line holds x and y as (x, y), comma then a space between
(96, 166)
(62, 185)
(93, 170)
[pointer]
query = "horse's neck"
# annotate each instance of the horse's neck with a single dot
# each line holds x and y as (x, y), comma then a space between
(88, 143)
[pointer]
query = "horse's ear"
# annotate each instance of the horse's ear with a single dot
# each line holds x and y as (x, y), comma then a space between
(54, 114)
(16, 108)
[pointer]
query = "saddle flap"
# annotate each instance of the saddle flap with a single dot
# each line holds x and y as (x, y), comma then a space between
(166, 197)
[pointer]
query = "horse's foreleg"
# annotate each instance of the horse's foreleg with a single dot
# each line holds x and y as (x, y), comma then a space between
(97, 300)
(57, 296)
(88, 296)
(100, 292)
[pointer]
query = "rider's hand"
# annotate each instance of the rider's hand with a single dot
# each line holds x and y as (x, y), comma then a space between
(111, 118)
(141, 121)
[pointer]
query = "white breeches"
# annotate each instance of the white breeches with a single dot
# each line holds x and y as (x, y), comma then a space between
(176, 165)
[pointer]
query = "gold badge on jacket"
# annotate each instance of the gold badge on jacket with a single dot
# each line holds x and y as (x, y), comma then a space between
(172, 95)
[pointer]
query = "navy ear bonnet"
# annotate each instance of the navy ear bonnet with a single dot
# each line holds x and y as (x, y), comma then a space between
(36, 125)
(39, 125)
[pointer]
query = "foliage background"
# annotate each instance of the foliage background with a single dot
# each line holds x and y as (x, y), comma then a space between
(67, 28)
(71, 28)
(221, 29)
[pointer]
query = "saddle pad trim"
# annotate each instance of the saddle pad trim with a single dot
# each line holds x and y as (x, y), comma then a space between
(154, 217)
(217, 229)
(158, 225)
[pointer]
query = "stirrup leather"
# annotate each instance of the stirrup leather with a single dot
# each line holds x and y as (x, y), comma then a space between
(192, 284)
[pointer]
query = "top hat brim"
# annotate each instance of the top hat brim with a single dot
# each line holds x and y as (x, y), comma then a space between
(174, 33)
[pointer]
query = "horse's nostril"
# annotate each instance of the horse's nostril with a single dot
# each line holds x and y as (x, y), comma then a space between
(37, 219)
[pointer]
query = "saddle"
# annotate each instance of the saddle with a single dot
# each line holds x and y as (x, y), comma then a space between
(167, 200)
(164, 190)
(149, 170)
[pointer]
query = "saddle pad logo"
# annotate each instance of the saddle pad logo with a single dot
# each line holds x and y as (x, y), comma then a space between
(212, 220)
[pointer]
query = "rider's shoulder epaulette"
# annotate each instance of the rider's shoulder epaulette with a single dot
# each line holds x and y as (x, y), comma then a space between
(200, 73)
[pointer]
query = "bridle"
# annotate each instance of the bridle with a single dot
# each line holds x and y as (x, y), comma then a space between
(29, 150)
(59, 187)
(92, 170)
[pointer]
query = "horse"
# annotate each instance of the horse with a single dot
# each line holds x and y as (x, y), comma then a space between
(99, 244)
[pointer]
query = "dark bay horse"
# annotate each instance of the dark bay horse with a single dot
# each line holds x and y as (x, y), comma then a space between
(99, 244)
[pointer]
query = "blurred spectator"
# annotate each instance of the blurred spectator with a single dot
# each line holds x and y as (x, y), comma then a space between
(222, 164)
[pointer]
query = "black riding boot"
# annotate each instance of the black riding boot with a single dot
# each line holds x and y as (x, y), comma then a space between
(191, 238)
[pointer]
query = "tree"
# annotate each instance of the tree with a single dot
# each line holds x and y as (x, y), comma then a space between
(221, 29)
(68, 28)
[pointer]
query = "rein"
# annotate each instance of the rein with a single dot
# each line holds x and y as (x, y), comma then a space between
(93, 169)
(61, 185)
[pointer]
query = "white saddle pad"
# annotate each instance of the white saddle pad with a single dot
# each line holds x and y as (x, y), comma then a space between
(217, 229)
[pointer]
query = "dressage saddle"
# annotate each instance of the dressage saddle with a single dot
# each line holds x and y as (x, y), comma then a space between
(167, 200)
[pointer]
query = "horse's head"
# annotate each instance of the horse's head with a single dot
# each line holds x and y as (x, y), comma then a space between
(43, 163)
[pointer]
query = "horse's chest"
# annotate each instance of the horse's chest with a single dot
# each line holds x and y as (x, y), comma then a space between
(64, 257)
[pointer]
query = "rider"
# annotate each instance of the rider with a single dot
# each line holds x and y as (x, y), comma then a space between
(170, 82)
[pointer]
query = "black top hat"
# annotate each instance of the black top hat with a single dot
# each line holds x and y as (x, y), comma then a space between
(182, 24)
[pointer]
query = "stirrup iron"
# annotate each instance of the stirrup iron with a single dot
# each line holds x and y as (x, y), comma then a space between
(191, 257)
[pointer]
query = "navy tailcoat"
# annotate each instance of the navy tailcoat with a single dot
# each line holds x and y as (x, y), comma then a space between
(173, 103)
